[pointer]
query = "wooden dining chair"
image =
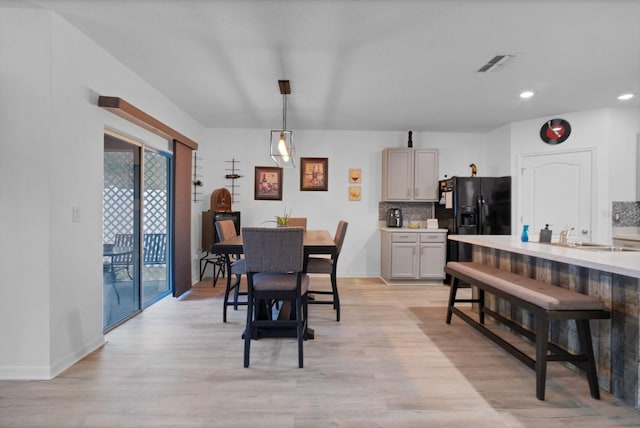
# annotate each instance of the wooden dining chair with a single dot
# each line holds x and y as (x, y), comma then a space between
(275, 262)
(329, 266)
(235, 266)
(297, 222)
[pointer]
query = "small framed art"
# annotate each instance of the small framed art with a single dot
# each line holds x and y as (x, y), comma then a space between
(268, 183)
(314, 173)
(354, 193)
(355, 175)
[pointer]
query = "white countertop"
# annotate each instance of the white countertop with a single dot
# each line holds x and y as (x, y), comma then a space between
(623, 263)
(408, 229)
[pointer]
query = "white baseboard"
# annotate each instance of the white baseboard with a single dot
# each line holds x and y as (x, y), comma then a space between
(25, 373)
(49, 372)
(413, 282)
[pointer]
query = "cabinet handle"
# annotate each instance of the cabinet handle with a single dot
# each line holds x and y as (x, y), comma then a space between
(408, 192)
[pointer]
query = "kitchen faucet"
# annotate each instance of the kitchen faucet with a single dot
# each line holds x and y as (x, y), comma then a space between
(564, 235)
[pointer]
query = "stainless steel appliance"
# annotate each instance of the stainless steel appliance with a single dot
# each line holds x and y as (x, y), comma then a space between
(394, 217)
(473, 206)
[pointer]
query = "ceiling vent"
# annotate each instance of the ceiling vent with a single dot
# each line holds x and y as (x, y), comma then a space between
(497, 63)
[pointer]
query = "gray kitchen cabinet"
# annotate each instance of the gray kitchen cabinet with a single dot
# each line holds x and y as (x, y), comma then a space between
(432, 255)
(409, 174)
(404, 253)
(412, 255)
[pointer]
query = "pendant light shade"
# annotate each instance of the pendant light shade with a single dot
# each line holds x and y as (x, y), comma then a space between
(281, 146)
(282, 149)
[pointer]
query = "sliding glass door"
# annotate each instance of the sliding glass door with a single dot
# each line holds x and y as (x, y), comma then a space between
(121, 230)
(136, 225)
(156, 220)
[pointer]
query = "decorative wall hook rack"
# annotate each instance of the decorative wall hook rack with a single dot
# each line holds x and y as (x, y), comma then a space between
(233, 176)
(197, 182)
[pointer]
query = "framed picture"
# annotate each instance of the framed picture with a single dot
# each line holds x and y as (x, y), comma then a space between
(314, 173)
(354, 193)
(268, 183)
(355, 175)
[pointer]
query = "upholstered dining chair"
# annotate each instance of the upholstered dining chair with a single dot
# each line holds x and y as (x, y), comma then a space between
(297, 222)
(275, 262)
(329, 266)
(235, 267)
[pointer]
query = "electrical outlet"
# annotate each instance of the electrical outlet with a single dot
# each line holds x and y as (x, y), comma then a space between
(75, 214)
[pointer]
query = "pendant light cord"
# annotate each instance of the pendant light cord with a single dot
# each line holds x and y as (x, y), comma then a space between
(284, 112)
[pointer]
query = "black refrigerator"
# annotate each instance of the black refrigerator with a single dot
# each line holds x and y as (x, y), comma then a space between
(473, 206)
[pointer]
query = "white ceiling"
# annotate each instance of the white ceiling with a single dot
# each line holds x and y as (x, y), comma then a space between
(371, 65)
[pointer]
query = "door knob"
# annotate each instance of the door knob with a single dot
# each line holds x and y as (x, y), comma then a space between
(585, 231)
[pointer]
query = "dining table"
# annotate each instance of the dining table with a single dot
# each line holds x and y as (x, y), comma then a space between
(314, 242)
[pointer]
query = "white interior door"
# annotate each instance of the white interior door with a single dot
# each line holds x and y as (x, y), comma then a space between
(556, 189)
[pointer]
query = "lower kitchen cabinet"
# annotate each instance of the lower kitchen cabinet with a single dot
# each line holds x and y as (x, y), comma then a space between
(403, 260)
(415, 254)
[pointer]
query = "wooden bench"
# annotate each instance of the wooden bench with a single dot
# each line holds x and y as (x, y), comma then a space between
(545, 301)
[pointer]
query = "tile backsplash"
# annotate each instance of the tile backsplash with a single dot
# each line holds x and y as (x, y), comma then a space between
(625, 214)
(418, 211)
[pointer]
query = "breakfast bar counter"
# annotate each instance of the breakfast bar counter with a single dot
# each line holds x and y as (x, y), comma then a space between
(612, 276)
(618, 262)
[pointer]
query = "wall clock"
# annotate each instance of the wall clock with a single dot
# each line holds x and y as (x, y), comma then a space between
(555, 131)
(220, 200)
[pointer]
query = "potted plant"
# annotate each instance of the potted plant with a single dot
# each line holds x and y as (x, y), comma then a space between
(283, 220)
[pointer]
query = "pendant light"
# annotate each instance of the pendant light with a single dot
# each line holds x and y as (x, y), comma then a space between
(281, 145)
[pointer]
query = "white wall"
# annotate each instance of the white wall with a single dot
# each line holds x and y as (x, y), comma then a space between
(456, 151)
(52, 140)
(498, 149)
(345, 149)
(624, 127)
(25, 126)
(611, 133)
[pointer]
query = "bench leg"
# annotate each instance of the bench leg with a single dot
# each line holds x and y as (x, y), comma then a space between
(542, 344)
(455, 282)
(481, 305)
(586, 346)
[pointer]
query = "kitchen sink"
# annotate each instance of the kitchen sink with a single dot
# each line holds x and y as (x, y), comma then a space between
(611, 248)
(590, 246)
(578, 245)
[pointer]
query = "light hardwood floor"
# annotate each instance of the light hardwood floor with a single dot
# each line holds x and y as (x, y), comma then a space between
(390, 362)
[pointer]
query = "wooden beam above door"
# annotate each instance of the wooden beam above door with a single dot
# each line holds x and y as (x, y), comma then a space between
(127, 111)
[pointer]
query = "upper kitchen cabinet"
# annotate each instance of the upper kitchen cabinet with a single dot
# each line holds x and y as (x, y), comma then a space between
(410, 175)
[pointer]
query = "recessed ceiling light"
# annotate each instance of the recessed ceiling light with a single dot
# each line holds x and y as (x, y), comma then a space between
(526, 94)
(625, 97)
